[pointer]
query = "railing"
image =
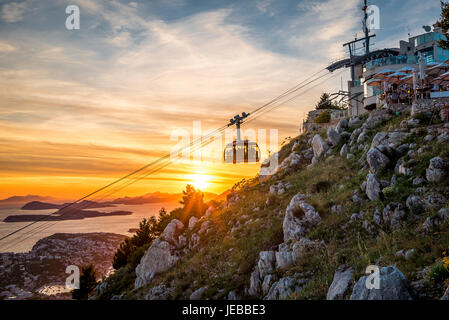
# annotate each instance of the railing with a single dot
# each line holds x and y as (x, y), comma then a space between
(388, 61)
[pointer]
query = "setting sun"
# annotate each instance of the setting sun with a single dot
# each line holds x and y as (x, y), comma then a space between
(200, 181)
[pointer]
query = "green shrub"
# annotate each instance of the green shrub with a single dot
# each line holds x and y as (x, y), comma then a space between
(438, 273)
(324, 117)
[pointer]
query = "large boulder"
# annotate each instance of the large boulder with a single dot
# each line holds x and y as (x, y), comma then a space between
(333, 136)
(160, 256)
(392, 286)
(341, 283)
(172, 230)
(292, 225)
(437, 170)
(192, 222)
(372, 187)
(284, 259)
(319, 146)
(376, 160)
(342, 124)
(391, 139)
(297, 214)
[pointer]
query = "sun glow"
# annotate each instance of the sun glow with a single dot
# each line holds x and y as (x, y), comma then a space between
(200, 181)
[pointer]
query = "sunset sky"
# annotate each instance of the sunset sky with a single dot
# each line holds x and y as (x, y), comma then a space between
(79, 108)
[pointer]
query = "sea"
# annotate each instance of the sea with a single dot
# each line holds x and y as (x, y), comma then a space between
(23, 240)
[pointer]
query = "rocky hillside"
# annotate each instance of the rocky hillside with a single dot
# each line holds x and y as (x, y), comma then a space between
(370, 191)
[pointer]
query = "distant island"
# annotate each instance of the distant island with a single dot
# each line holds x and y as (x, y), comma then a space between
(65, 214)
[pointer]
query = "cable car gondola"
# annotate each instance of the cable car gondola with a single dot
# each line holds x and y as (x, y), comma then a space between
(240, 151)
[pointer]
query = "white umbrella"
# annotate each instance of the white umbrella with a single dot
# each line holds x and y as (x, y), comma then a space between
(438, 69)
(383, 73)
(373, 82)
(407, 69)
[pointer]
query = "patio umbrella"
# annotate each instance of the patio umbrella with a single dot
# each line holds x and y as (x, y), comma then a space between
(395, 76)
(444, 76)
(438, 69)
(373, 82)
(383, 74)
(407, 70)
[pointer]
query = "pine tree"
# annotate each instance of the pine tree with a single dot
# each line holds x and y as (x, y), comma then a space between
(443, 23)
(88, 282)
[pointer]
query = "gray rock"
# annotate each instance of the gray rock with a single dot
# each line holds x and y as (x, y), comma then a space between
(437, 170)
(341, 283)
(372, 187)
(337, 208)
(393, 286)
(297, 213)
(160, 292)
(198, 294)
(376, 160)
(232, 295)
(353, 122)
(377, 217)
(267, 283)
(172, 230)
(284, 259)
(159, 257)
(281, 289)
(363, 186)
(192, 222)
(435, 200)
(344, 150)
(413, 123)
(319, 146)
(418, 181)
(194, 241)
(205, 227)
(442, 138)
(415, 204)
(255, 283)
(349, 156)
(409, 254)
(333, 136)
(267, 261)
(341, 125)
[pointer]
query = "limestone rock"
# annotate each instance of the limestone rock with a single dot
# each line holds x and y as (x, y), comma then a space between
(319, 146)
(159, 257)
(341, 283)
(333, 136)
(372, 187)
(192, 222)
(376, 160)
(344, 150)
(159, 292)
(197, 294)
(437, 170)
(266, 262)
(393, 286)
(281, 289)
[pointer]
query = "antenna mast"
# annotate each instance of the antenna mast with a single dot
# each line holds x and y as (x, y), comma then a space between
(365, 26)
